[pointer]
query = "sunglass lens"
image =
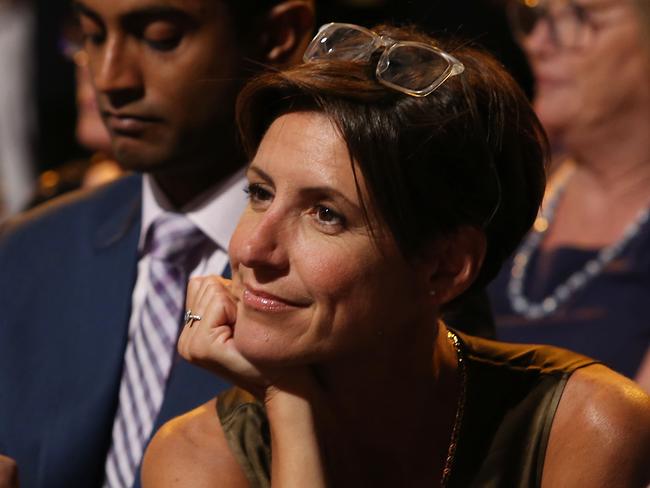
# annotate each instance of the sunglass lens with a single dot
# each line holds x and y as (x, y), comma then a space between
(340, 43)
(412, 67)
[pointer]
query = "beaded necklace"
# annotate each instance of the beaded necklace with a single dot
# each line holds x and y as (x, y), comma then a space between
(577, 280)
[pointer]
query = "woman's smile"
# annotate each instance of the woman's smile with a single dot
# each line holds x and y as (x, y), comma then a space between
(267, 302)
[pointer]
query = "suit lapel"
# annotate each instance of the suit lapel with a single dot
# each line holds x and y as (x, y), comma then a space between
(103, 281)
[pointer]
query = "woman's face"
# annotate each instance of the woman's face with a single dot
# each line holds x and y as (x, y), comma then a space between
(312, 283)
(599, 78)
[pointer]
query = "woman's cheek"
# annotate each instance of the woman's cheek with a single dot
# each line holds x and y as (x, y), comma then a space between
(328, 269)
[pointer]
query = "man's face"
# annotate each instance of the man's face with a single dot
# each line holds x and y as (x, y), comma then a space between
(166, 74)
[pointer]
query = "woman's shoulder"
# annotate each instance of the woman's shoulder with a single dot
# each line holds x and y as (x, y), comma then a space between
(192, 451)
(505, 356)
(601, 432)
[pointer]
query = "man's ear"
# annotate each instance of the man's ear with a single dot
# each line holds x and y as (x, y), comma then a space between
(288, 28)
(454, 262)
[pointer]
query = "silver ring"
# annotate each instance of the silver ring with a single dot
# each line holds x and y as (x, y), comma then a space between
(191, 317)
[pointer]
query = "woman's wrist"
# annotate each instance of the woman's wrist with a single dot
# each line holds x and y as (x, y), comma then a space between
(297, 457)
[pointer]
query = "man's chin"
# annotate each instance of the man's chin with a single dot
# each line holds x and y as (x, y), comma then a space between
(137, 155)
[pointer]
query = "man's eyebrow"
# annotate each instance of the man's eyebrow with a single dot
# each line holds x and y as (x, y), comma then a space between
(81, 9)
(141, 13)
(147, 14)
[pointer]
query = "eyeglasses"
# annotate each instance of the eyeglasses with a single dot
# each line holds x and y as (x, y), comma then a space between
(413, 68)
(568, 23)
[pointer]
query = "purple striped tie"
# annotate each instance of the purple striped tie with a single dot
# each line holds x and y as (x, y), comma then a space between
(173, 244)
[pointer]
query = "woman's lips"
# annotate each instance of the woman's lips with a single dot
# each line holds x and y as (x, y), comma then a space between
(266, 302)
(545, 78)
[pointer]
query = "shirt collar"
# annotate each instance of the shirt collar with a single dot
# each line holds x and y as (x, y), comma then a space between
(216, 211)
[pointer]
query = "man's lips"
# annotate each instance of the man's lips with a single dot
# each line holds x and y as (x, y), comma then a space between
(128, 124)
(267, 302)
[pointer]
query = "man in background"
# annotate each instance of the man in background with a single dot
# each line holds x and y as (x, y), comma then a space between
(92, 286)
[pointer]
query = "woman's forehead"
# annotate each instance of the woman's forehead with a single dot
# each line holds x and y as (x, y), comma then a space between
(308, 146)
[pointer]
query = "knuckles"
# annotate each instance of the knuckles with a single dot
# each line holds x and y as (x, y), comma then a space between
(209, 297)
(189, 347)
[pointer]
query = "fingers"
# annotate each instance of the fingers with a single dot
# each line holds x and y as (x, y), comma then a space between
(198, 285)
(209, 342)
(213, 290)
(209, 298)
(201, 291)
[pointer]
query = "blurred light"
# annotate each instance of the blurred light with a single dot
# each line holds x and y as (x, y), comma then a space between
(541, 224)
(49, 179)
(531, 3)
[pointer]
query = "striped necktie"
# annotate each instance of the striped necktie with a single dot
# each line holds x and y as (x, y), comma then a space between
(174, 246)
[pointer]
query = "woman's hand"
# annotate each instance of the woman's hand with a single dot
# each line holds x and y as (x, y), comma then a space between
(287, 393)
(209, 342)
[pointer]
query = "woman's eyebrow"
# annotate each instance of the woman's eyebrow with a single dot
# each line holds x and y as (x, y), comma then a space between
(309, 190)
(259, 172)
(328, 191)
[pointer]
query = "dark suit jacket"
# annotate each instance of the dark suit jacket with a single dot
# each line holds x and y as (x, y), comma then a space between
(67, 271)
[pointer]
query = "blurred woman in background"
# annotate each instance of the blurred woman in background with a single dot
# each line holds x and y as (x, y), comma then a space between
(581, 278)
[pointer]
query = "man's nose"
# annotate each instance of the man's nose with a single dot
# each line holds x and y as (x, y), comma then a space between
(116, 72)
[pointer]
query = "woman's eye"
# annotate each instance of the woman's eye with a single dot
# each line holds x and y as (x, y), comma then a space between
(327, 216)
(257, 193)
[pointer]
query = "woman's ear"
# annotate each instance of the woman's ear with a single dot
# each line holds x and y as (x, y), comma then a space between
(453, 263)
(287, 28)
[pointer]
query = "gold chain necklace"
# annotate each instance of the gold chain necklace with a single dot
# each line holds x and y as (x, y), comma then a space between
(460, 409)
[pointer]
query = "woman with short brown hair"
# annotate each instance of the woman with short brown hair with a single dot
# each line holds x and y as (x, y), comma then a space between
(390, 174)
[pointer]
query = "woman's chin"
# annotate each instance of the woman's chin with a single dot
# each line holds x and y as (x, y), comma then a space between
(554, 119)
(262, 346)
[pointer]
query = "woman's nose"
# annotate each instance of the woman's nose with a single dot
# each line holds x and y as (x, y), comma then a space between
(542, 38)
(264, 243)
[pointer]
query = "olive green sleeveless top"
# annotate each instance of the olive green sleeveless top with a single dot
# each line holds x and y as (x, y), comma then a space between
(513, 392)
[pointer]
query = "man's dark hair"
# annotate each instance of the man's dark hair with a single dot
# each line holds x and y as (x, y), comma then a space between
(432, 164)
